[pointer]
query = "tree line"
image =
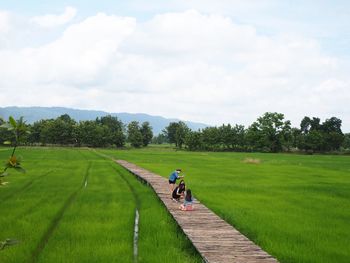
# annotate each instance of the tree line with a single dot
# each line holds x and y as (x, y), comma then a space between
(106, 131)
(269, 133)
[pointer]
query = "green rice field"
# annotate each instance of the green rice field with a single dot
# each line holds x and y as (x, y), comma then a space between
(75, 205)
(297, 207)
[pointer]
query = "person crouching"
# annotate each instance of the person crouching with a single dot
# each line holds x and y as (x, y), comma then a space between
(179, 191)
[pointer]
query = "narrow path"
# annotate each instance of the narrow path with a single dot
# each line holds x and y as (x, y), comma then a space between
(216, 240)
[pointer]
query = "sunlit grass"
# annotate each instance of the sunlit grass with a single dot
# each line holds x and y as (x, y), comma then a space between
(297, 207)
(57, 219)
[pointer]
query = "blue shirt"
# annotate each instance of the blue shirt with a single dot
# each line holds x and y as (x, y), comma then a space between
(173, 176)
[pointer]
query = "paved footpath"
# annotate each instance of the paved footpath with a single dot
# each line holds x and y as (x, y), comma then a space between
(216, 240)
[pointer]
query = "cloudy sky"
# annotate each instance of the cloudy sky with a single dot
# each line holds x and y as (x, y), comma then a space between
(215, 62)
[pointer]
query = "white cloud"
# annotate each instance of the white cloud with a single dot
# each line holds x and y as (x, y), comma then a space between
(4, 22)
(51, 20)
(188, 65)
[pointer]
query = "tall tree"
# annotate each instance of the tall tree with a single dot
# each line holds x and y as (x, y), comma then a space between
(176, 133)
(211, 137)
(227, 136)
(269, 132)
(134, 134)
(317, 136)
(147, 134)
(160, 139)
(332, 133)
(194, 140)
(89, 133)
(115, 127)
(346, 142)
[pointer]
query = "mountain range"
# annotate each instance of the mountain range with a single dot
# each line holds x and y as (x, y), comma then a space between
(33, 114)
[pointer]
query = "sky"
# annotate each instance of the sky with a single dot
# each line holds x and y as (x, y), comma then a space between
(213, 62)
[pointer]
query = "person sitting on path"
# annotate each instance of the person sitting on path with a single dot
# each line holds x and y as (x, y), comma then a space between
(179, 191)
(188, 202)
(172, 179)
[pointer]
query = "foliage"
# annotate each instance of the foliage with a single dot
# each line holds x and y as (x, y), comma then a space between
(134, 134)
(270, 131)
(320, 137)
(17, 129)
(194, 141)
(160, 139)
(346, 142)
(176, 133)
(147, 134)
(102, 132)
(115, 127)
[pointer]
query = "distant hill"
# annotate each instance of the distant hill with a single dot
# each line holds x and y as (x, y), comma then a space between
(32, 114)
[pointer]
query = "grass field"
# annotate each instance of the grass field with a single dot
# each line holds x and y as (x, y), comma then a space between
(297, 207)
(75, 206)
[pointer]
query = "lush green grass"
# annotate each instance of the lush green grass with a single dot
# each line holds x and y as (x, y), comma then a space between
(297, 207)
(158, 233)
(58, 219)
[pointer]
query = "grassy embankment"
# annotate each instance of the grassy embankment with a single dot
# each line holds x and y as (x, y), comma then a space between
(57, 219)
(297, 207)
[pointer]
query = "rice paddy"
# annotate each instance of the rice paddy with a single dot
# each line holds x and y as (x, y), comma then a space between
(76, 205)
(296, 207)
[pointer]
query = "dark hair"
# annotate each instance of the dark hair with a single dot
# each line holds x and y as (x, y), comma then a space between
(188, 196)
(182, 185)
(178, 170)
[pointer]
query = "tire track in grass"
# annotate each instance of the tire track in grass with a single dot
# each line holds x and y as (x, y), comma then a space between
(56, 220)
(137, 202)
(137, 214)
(25, 186)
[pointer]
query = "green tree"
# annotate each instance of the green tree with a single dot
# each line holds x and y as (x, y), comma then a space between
(233, 138)
(5, 134)
(19, 130)
(176, 133)
(227, 136)
(62, 130)
(314, 141)
(147, 134)
(90, 134)
(307, 124)
(211, 138)
(332, 133)
(315, 136)
(346, 142)
(269, 133)
(170, 132)
(115, 134)
(295, 137)
(160, 139)
(194, 140)
(134, 134)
